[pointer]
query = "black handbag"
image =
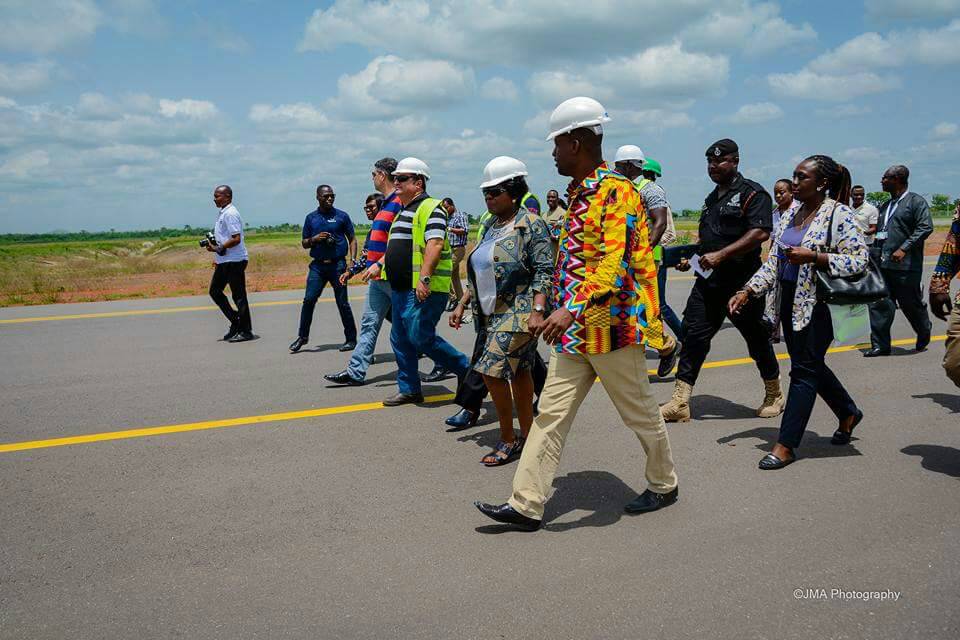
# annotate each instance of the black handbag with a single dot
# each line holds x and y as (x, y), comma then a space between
(861, 288)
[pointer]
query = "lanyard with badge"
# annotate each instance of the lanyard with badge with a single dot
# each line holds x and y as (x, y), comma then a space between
(882, 235)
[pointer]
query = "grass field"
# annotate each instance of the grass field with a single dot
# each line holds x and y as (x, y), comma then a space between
(85, 271)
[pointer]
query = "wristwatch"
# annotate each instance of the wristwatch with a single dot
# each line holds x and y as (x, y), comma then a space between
(425, 279)
(539, 308)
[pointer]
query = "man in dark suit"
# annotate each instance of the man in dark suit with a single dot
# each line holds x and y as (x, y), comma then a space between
(904, 224)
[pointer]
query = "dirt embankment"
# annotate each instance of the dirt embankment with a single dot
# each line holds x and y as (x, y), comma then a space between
(88, 272)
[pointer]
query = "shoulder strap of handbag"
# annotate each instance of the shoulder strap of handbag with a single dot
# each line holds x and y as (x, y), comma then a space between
(830, 228)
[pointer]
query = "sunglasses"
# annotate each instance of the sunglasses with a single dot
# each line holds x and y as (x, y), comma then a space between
(327, 196)
(493, 192)
(403, 177)
(370, 207)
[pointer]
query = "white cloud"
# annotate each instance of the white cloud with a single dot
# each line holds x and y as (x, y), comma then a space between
(810, 85)
(299, 115)
(193, 109)
(29, 76)
(872, 51)
(650, 120)
(50, 25)
(23, 165)
(893, 10)
(498, 88)
(531, 32)
(944, 130)
(759, 27)
(390, 85)
(653, 76)
(758, 113)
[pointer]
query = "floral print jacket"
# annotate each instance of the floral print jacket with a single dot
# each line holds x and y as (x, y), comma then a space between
(848, 256)
(523, 267)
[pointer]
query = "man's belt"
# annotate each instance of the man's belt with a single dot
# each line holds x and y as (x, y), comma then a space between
(328, 260)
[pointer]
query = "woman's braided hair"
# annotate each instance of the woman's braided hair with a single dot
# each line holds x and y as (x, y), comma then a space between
(837, 177)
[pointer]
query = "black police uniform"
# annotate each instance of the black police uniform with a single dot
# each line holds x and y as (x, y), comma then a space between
(725, 219)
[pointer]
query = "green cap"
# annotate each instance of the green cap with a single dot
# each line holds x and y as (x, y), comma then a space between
(652, 165)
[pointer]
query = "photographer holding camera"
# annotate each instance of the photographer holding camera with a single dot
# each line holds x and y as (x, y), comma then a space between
(328, 234)
(231, 264)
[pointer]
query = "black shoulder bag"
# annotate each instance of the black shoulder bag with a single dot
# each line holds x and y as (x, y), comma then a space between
(860, 288)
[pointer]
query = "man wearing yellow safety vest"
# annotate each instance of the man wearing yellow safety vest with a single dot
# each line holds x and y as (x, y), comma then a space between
(629, 162)
(418, 265)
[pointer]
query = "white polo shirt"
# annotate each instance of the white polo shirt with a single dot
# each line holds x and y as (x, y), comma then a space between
(866, 215)
(228, 225)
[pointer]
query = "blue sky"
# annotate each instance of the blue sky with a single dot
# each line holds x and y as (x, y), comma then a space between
(126, 113)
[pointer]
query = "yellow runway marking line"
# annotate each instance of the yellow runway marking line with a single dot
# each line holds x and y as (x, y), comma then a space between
(146, 312)
(315, 413)
(202, 426)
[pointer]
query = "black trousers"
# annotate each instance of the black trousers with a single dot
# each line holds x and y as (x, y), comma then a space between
(809, 374)
(318, 277)
(905, 293)
(704, 315)
(233, 274)
(473, 389)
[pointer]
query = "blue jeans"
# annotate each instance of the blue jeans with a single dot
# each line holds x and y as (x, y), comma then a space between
(414, 331)
(317, 278)
(375, 310)
(666, 312)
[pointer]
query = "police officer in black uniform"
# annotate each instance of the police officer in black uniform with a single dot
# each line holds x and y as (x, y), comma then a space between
(737, 218)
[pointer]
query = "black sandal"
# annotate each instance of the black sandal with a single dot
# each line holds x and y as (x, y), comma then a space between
(771, 462)
(843, 437)
(511, 452)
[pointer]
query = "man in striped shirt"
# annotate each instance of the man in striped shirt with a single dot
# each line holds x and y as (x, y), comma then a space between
(377, 306)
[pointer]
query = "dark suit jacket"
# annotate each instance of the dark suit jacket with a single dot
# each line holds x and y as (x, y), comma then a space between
(910, 226)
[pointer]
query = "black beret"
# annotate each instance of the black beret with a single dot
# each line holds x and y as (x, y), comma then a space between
(722, 148)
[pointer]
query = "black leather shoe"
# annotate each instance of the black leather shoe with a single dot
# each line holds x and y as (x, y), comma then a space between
(243, 336)
(508, 515)
(298, 344)
(649, 501)
(873, 353)
(230, 334)
(771, 462)
(403, 398)
(843, 437)
(667, 363)
(463, 419)
(347, 346)
(923, 342)
(438, 374)
(343, 377)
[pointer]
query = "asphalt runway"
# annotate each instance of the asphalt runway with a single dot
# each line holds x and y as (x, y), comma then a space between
(267, 504)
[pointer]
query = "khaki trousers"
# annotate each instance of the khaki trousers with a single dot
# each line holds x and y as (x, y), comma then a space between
(623, 373)
(951, 360)
(457, 289)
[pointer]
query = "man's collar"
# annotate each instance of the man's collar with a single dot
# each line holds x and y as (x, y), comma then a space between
(420, 198)
(591, 181)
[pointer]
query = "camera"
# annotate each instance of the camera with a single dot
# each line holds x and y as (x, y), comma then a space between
(208, 240)
(329, 241)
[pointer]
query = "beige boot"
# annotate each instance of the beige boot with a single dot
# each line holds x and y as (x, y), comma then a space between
(773, 399)
(678, 409)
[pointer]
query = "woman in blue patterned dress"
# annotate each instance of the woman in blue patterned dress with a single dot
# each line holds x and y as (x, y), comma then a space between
(789, 279)
(509, 276)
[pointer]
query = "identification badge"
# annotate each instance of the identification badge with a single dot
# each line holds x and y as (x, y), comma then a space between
(881, 235)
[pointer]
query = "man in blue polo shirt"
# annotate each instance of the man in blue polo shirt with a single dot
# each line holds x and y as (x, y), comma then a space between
(328, 234)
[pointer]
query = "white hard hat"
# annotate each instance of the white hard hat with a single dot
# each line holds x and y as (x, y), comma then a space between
(501, 169)
(413, 166)
(629, 152)
(576, 113)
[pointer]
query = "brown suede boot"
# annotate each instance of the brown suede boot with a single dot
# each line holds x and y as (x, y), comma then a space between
(678, 409)
(773, 400)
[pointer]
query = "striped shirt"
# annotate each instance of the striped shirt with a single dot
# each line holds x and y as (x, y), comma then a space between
(376, 243)
(399, 254)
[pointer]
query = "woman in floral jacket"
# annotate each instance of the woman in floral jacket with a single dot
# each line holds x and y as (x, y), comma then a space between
(509, 278)
(789, 279)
